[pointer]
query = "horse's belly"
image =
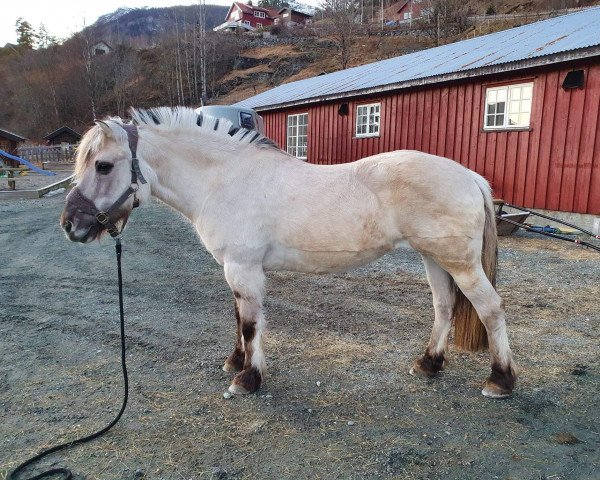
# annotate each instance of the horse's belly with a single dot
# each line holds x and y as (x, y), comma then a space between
(312, 261)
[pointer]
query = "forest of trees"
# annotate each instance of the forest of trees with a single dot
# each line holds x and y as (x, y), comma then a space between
(47, 84)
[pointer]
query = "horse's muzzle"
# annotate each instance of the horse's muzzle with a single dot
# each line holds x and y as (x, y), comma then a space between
(78, 226)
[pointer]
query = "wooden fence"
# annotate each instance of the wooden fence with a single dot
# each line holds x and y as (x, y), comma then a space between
(48, 154)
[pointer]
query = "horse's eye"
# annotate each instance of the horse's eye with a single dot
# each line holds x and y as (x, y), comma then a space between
(104, 168)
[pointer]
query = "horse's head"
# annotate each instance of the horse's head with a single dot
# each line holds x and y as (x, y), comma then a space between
(109, 182)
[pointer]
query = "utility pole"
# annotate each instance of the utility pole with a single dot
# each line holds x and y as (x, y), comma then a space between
(203, 51)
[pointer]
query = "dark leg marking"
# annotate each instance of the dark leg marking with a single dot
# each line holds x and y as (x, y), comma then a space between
(503, 379)
(235, 361)
(429, 364)
(248, 330)
(249, 379)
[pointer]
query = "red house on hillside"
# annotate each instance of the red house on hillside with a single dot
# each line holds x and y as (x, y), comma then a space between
(521, 107)
(289, 16)
(409, 10)
(248, 17)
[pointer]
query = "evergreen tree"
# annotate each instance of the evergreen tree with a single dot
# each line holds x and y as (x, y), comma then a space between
(25, 34)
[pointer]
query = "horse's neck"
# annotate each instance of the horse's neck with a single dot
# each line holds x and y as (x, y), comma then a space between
(184, 170)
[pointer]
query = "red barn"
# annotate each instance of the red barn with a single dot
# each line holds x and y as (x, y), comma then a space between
(520, 107)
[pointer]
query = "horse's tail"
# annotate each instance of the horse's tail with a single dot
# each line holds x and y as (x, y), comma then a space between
(469, 332)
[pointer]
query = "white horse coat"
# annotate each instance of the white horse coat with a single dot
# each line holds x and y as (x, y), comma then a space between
(256, 208)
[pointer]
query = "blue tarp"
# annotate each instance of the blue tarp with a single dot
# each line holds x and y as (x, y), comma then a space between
(25, 162)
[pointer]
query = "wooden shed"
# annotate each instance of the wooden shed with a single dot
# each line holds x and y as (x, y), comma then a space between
(8, 143)
(63, 135)
(521, 107)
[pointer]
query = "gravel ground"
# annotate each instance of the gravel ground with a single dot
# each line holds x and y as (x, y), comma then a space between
(337, 403)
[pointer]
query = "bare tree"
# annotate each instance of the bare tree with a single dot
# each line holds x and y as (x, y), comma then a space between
(342, 23)
(443, 19)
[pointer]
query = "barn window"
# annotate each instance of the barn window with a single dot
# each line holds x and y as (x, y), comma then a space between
(297, 135)
(367, 120)
(508, 106)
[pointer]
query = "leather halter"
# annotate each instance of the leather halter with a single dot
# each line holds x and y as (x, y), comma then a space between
(104, 217)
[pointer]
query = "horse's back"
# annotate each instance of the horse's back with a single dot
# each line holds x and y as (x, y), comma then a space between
(427, 192)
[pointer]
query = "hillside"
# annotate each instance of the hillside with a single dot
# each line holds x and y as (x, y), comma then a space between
(145, 26)
(267, 66)
(157, 59)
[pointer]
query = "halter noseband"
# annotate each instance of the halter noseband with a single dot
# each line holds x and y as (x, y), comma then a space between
(103, 217)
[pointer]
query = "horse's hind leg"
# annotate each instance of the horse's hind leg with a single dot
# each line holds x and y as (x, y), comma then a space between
(247, 283)
(235, 361)
(443, 299)
(490, 308)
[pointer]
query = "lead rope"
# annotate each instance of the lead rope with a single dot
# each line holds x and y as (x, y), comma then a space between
(65, 471)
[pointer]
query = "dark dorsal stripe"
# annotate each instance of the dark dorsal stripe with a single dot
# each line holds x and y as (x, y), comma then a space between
(266, 142)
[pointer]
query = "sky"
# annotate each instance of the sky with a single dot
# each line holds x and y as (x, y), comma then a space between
(62, 18)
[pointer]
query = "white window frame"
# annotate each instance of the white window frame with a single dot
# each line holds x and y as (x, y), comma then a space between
(407, 15)
(258, 25)
(371, 113)
(517, 99)
(247, 23)
(293, 135)
(259, 14)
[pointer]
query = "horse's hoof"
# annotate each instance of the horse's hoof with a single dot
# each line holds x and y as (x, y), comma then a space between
(500, 383)
(427, 366)
(237, 389)
(247, 381)
(491, 390)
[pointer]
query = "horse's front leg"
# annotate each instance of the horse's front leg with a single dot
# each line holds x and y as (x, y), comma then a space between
(248, 283)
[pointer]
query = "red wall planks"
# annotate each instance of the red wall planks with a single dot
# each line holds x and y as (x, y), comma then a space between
(555, 164)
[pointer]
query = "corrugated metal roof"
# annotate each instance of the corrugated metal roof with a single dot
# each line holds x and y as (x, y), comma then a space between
(567, 33)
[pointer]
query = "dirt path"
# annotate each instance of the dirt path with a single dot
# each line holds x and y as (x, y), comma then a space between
(338, 402)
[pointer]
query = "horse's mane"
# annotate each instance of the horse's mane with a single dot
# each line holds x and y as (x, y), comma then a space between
(167, 118)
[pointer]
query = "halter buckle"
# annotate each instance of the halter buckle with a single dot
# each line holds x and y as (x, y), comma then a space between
(102, 218)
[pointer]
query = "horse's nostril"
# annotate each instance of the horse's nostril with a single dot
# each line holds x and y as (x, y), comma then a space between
(67, 226)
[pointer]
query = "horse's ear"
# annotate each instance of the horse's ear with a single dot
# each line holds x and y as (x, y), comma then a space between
(105, 128)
